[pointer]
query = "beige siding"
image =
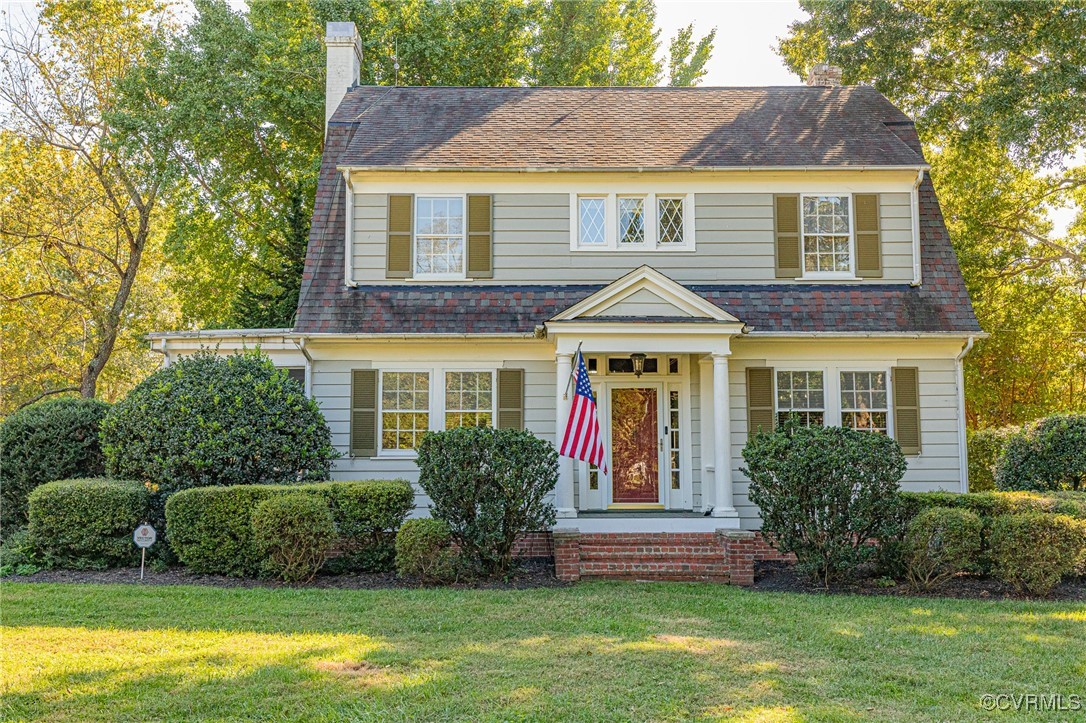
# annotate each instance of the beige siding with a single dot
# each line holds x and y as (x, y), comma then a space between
(733, 232)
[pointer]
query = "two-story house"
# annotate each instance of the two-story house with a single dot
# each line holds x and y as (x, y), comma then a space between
(723, 257)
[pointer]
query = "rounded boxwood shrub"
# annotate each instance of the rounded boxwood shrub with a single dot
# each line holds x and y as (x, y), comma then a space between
(210, 528)
(217, 420)
(1046, 455)
(87, 523)
(985, 448)
(941, 542)
(294, 532)
(490, 486)
(1033, 551)
(826, 494)
(50, 440)
(424, 550)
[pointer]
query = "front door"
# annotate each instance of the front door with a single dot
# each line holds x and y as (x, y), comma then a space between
(635, 439)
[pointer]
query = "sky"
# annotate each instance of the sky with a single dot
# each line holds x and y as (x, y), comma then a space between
(746, 32)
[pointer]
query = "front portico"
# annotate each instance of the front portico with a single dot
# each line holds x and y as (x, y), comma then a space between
(646, 417)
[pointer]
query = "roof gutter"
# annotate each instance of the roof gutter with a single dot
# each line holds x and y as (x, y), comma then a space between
(291, 335)
(963, 440)
(915, 207)
(627, 169)
(869, 334)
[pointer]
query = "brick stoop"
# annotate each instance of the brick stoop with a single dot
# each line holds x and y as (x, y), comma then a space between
(721, 556)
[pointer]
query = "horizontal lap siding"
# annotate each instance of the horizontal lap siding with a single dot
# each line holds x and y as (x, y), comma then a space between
(733, 232)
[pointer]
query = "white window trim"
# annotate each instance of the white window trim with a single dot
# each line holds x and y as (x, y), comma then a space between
(463, 275)
(437, 397)
(849, 275)
(611, 217)
(833, 415)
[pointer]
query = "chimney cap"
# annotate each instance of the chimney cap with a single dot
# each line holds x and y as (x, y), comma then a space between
(824, 74)
(341, 31)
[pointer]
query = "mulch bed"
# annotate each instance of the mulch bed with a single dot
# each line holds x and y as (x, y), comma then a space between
(782, 577)
(531, 573)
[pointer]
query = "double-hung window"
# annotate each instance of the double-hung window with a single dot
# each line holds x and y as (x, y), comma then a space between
(864, 401)
(801, 394)
(439, 237)
(469, 399)
(405, 409)
(827, 235)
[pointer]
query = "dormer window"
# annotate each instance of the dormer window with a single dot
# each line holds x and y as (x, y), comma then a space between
(827, 236)
(439, 237)
(631, 222)
(592, 220)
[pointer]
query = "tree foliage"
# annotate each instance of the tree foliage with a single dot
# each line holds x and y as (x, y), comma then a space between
(996, 89)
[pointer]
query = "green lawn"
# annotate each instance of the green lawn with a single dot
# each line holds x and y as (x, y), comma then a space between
(594, 651)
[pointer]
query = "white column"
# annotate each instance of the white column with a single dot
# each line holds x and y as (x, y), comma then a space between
(563, 493)
(723, 504)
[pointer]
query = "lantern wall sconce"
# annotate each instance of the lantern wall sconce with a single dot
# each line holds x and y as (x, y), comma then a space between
(638, 360)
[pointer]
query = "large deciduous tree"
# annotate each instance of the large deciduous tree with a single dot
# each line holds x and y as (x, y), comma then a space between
(998, 91)
(81, 207)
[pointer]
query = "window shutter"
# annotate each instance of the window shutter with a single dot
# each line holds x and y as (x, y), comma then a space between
(786, 233)
(868, 236)
(398, 252)
(480, 237)
(510, 399)
(364, 413)
(760, 408)
(906, 381)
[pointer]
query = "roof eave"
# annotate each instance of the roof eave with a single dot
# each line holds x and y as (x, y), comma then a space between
(631, 169)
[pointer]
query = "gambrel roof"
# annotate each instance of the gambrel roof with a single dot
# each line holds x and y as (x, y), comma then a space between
(623, 128)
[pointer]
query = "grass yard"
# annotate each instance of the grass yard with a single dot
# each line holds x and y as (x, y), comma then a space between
(591, 652)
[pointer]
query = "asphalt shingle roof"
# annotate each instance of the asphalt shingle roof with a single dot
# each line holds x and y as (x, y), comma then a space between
(622, 127)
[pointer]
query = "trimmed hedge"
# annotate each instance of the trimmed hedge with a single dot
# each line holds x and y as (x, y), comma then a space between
(1049, 454)
(294, 533)
(994, 504)
(50, 440)
(939, 543)
(210, 528)
(985, 449)
(424, 550)
(1033, 551)
(87, 523)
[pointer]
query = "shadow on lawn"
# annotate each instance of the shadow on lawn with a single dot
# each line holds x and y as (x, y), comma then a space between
(590, 652)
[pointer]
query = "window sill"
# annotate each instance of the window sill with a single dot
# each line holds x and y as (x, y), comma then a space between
(633, 249)
(829, 277)
(438, 279)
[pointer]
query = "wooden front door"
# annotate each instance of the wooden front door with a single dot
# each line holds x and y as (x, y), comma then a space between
(635, 439)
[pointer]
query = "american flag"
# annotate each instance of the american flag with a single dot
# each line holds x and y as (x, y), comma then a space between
(583, 440)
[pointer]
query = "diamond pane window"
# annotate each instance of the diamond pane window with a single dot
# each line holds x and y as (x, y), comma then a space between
(802, 395)
(405, 409)
(593, 221)
(631, 220)
(469, 399)
(826, 233)
(864, 403)
(439, 236)
(669, 213)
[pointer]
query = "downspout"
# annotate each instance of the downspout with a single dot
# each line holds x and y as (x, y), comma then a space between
(916, 226)
(161, 350)
(300, 343)
(963, 449)
(348, 230)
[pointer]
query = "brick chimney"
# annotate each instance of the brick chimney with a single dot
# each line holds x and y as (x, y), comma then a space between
(344, 62)
(824, 74)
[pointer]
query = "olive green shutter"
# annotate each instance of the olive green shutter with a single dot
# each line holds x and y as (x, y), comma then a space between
(363, 412)
(906, 382)
(760, 408)
(480, 237)
(786, 234)
(510, 399)
(868, 236)
(398, 252)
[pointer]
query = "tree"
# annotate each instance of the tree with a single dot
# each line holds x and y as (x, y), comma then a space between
(996, 89)
(82, 210)
(238, 102)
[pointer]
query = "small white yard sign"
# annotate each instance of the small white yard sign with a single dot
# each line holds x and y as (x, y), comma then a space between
(144, 537)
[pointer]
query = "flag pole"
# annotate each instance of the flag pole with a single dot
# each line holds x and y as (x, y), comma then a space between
(565, 395)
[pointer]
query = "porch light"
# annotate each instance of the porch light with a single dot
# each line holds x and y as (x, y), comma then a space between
(638, 360)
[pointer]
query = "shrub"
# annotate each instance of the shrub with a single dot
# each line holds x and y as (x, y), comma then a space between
(993, 504)
(87, 523)
(1033, 551)
(210, 530)
(1046, 455)
(294, 532)
(490, 486)
(825, 494)
(424, 549)
(940, 543)
(17, 556)
(211, 420)
(50, 440)
(985, 448)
